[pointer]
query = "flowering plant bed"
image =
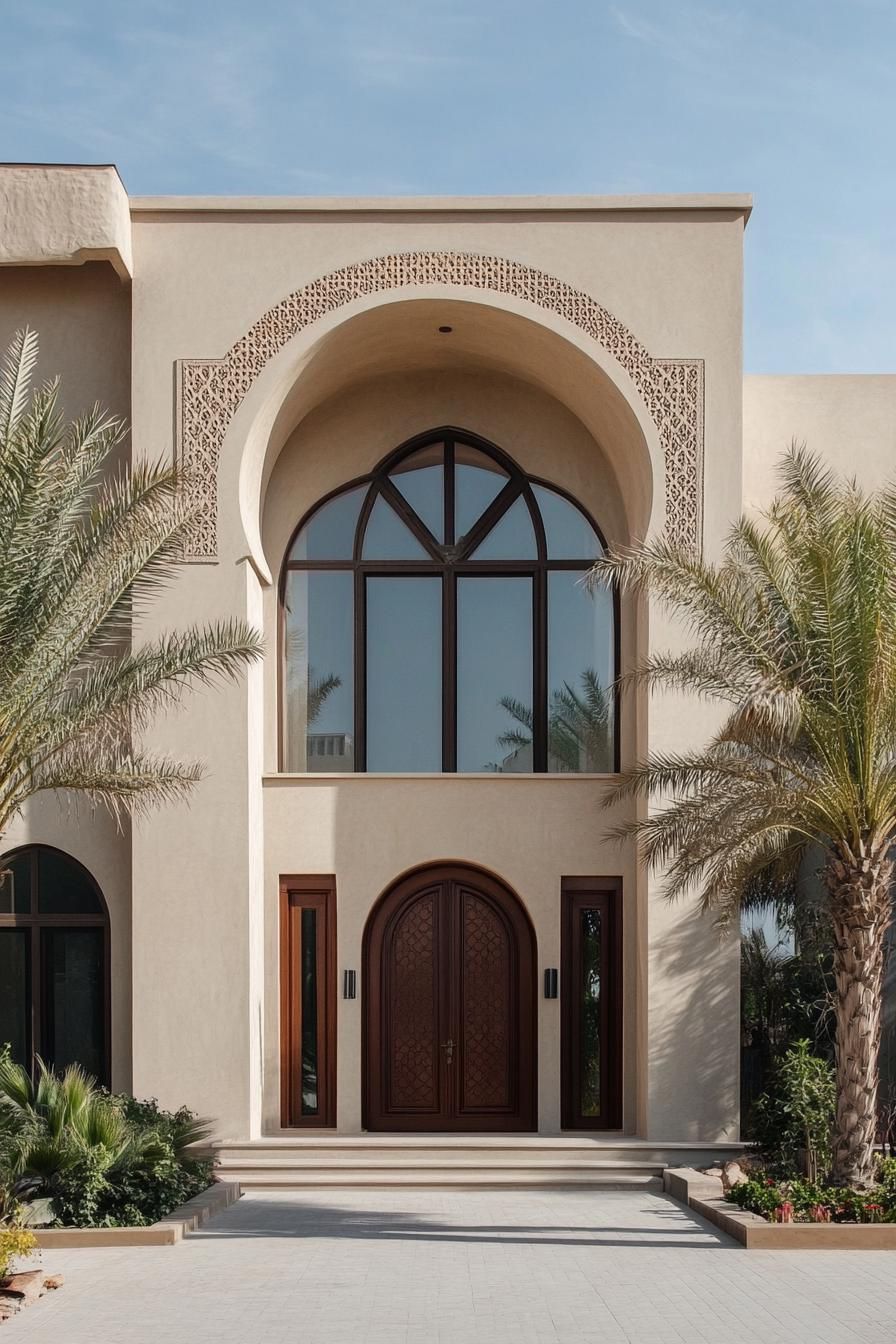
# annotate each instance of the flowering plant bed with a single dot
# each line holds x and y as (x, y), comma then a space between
(801, 1201)
(704, 1194)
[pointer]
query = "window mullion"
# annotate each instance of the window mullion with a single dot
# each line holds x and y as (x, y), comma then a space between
(448, 491)
(540, 669)
(449, 672)
(360, 629)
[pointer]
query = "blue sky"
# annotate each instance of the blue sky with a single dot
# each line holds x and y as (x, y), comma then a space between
(793, 100)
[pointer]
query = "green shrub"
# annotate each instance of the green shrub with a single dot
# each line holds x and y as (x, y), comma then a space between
(793, 1121)
(88, 1159)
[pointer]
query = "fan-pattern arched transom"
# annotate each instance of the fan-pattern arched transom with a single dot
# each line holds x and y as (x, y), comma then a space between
(435, 619)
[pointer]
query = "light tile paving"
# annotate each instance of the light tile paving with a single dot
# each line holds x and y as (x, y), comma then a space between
(481, 1267)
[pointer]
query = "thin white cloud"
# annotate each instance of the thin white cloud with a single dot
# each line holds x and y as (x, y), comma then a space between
(637, 27)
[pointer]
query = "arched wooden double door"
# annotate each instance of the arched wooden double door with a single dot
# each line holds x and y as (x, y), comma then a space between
(449, 1006)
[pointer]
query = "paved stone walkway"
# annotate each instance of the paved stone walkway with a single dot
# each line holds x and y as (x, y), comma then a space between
(482, 1267)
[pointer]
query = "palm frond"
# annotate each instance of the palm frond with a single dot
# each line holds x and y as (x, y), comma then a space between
(86, 543)
(15, 380)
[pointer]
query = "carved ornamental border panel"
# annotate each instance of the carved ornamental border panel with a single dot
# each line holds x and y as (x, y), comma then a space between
(209, 391)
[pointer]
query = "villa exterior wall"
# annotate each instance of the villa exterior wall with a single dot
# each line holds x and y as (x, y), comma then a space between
(204, 1027)
(202, 282)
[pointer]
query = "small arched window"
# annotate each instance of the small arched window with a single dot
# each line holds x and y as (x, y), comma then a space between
(435, 619)
(54, 961)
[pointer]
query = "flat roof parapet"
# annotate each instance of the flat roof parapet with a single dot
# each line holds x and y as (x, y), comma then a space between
(64, 215)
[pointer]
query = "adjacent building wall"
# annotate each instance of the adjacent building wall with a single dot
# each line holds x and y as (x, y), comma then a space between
(847, 419)
(82, 316)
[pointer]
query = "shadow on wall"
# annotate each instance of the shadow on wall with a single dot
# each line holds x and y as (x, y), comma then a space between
(694, 1033)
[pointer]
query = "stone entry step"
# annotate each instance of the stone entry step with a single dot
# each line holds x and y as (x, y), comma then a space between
(525, 1161)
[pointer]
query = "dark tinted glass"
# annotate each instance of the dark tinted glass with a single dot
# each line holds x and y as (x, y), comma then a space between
(388, 538)
(494, 674)
(310, 1099)
(73, 994)
(477, 480)
(511, 538)
(319, 680)
(15, 999)
(15, 885)
(589, 1008)
(404, 674)
(330, 534)
(568, 533)
(421, 479)
(63, 888)
(580, 673)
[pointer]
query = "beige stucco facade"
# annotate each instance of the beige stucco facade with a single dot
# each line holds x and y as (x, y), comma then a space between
(281, 349)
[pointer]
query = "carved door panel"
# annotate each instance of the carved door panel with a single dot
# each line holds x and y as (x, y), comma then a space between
(414, 951)
(449, 1007)
(487, 1047)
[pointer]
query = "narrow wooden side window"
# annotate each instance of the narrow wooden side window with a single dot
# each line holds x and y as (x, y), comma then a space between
(591, 1003)
(308, 1001)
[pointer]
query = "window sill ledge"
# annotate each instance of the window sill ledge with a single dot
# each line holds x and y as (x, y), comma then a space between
(313, 777)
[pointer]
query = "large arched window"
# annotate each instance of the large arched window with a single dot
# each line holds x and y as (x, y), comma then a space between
(54, 960)
(435, 619)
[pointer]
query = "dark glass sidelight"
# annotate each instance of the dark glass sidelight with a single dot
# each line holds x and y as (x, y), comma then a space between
(589, 1008)
(308, 1001)
(54, 970)
(310, 1100)
(436, 619)
(591, 1003)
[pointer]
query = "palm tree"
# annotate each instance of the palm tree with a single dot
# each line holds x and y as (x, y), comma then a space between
(578, 724)
(795, 631)
(84, 544)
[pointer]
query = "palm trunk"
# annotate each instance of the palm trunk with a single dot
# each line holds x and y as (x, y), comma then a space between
(860, 888)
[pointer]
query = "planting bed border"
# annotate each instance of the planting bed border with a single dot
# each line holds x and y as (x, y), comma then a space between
(704, 1194)
(166, 1232)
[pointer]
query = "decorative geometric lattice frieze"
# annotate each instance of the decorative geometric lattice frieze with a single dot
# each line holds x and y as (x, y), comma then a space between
(210, 390)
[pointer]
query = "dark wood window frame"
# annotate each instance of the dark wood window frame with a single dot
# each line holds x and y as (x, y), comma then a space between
(298, 893)
(605, 894)
(449, 560)
(34, 923)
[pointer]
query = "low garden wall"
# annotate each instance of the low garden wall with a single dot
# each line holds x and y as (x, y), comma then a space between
(705, 1195)
(166, 1232)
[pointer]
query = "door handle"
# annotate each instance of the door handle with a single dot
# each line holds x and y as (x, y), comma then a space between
(448, 1047)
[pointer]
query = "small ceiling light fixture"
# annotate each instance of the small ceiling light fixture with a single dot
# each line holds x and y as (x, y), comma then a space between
(445, 330)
